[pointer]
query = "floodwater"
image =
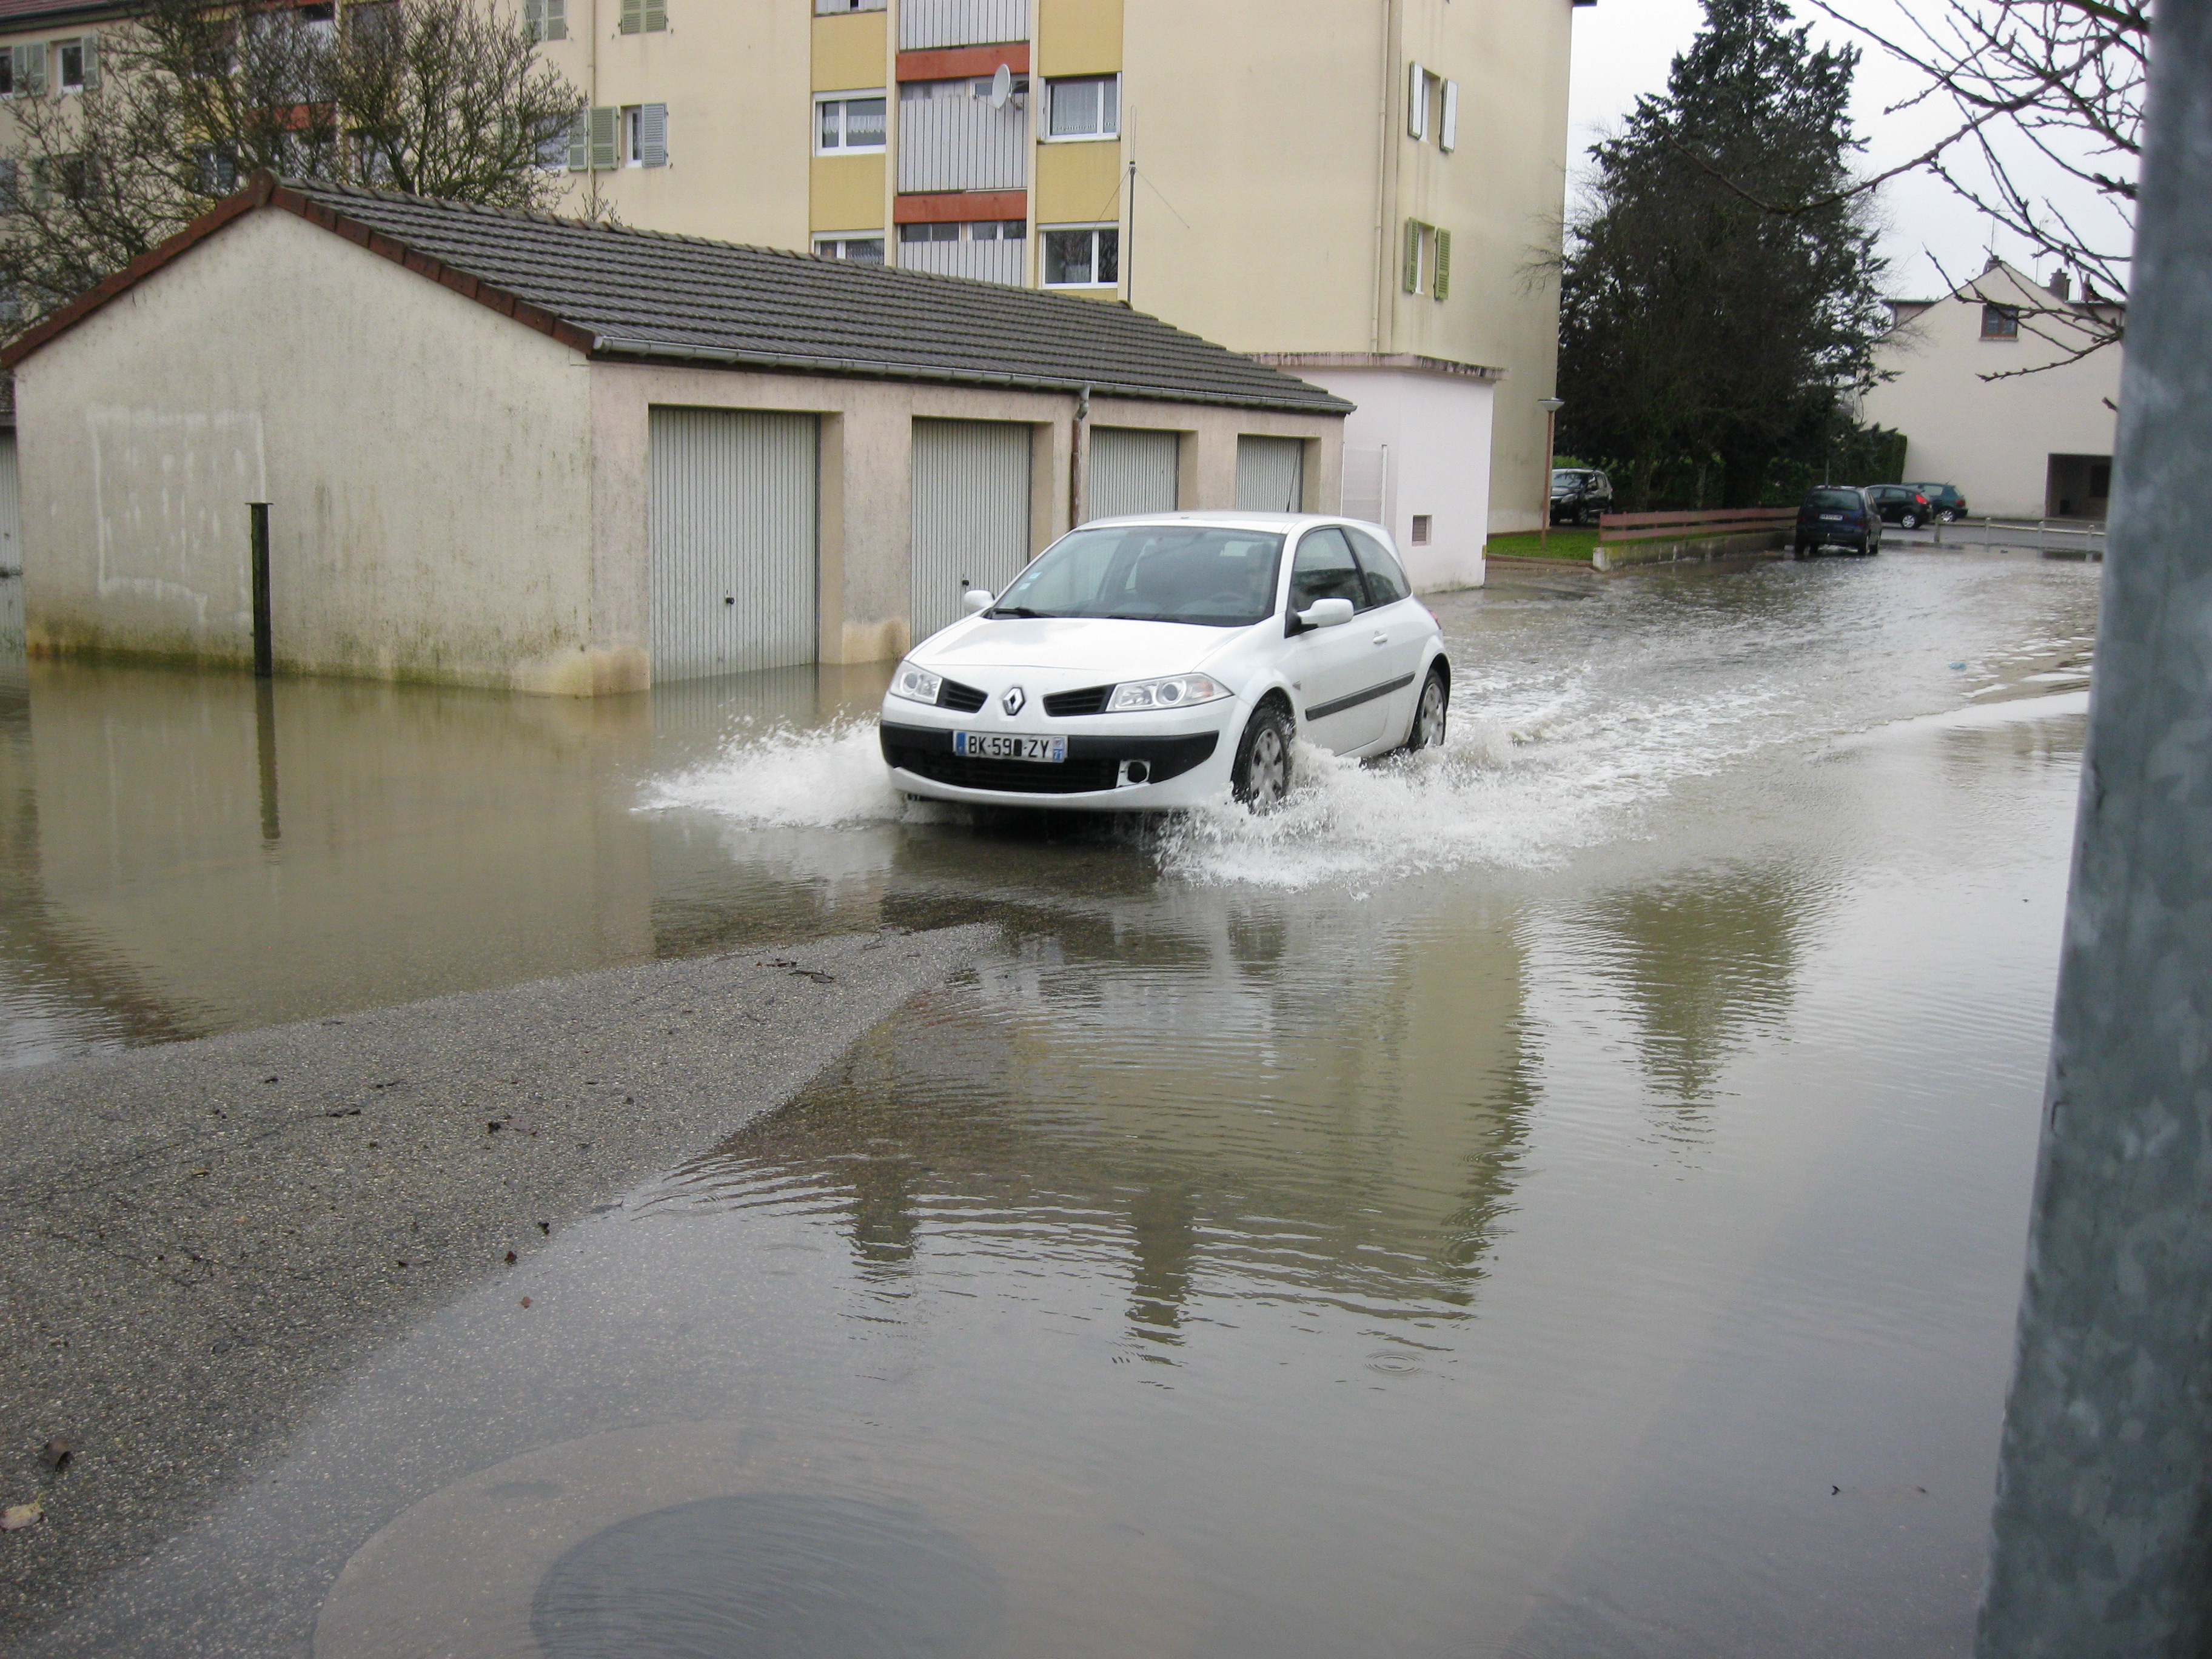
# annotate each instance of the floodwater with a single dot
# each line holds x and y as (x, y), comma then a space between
(1563, 1197)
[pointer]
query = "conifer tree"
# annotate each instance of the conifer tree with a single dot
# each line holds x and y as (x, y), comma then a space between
(1701, 336)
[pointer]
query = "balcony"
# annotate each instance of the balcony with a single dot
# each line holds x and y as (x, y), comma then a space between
(924, 24)
(999, 261)
(950, 138)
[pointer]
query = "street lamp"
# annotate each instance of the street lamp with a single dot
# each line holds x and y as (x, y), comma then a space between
(1550, 406)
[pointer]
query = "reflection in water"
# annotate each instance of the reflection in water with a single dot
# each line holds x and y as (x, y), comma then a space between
(1704, 961)
(1265, 1251)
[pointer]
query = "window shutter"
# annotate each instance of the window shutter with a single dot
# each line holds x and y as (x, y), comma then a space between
(1440, 285)
(656, 16)
(652, 135)
(1417, 102)
(90, 47)
(606, 135)
(556, 19)
(30, 68)
(533, 19)
(8, 202)
(579, 142)
(1448, 127)
(1412, 256)
(633, 16)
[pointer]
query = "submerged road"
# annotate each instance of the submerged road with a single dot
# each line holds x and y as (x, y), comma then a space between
(1560, 1197)
(200, 1238)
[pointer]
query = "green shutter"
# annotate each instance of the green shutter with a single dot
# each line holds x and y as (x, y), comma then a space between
(1412, 256)
(579, 142)
(1442, 285)
(633, 16)
(656, 16)
(90, 47)
(556, 19)
(30, 68)
(606, 137)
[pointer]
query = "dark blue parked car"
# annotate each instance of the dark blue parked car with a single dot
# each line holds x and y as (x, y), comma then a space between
(1836, 515)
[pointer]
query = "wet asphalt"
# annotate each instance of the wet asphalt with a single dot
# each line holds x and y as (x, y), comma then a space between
(200, 1240)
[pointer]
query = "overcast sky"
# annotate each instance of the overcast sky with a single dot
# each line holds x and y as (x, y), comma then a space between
(1623, 47)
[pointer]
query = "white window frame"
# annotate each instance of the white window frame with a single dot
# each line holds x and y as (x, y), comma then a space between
(840, 8)
(844, 122)
(630, 136)
(827, 244)
(1052, 87)
(57, 56)
(1045, 231)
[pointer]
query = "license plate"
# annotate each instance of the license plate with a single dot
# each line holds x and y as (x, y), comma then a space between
(1831, 517)
(1007, 745)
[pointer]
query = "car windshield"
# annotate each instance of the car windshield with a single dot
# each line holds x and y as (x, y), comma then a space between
(1565, 480)
(1848, 498)
(1205, 575)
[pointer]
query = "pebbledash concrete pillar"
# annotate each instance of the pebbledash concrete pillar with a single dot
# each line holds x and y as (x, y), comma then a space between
(2102, 1537)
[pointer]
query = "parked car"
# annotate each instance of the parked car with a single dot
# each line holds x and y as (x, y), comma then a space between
(1836, 515)
(1902, 505)
(1166, 659)
(1579, 494)
(1946, 501)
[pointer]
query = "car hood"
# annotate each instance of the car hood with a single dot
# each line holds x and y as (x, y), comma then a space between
(1098, 646)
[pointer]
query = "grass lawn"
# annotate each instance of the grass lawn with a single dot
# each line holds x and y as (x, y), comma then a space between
(1574, 545)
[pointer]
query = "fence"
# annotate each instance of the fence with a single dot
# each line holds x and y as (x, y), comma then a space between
(1632, 538)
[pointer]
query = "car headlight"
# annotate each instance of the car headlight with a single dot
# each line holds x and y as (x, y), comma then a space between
(1173, 692)
(917, 684)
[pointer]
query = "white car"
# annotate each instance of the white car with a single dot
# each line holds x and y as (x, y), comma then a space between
(1162, 660)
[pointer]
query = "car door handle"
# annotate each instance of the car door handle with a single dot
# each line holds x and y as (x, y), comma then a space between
(1381, 639)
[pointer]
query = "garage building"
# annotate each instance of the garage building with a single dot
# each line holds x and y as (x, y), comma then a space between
(505, 449)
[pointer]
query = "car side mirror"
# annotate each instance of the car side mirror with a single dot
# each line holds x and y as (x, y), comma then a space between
(976, 599)
(1326, 613)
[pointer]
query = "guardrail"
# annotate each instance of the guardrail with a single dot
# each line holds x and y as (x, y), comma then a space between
(2072, 539)
(1634, 538)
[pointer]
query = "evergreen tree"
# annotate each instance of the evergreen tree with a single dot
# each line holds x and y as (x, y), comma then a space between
(1702, 335)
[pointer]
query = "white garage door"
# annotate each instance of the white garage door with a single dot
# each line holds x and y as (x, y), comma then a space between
(1270, 474)
(732, 523)
(1131, 471)
(972, 513)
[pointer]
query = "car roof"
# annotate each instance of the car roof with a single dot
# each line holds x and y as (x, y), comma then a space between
(1229, 520)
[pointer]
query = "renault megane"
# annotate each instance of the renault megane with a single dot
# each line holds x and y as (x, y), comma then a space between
(1158, 661)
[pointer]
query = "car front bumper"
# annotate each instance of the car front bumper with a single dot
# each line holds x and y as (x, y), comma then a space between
(1183, 758)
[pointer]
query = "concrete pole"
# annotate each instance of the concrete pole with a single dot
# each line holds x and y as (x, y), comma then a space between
(2102, 1534)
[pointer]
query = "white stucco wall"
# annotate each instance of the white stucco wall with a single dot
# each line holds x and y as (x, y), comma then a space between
(1436, 429)
(1994, 438)
(425, 459)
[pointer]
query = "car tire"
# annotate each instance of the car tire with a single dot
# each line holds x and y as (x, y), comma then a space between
(1260, 777)
(1431, 711)
(1908, 521)
(1947, 516)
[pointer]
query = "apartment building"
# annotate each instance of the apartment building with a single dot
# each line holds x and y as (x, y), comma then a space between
(1365, 192)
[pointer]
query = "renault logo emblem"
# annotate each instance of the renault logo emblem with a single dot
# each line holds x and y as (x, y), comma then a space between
(1012, 701)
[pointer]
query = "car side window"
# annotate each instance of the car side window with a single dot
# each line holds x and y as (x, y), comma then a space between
(1386, 579)
(1324, 569)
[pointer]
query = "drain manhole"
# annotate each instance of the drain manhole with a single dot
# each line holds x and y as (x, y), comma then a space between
(770, 1575)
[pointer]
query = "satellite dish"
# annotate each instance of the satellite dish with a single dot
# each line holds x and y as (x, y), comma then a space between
(1002, 87)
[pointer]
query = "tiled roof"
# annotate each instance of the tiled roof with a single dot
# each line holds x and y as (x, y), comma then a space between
(623, 293)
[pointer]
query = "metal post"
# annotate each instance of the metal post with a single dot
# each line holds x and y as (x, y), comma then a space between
(1550, 406)
(2102, 1534)
(264, 649)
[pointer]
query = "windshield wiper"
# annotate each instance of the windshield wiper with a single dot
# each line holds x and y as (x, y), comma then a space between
(1017, 611)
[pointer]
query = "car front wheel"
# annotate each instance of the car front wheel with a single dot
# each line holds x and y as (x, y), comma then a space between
(1909, 521)
(1945, 516)
(1430, 714)
(1261, 776)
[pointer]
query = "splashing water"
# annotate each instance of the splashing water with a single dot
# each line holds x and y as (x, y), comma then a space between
(1568, 724)
(790, 779)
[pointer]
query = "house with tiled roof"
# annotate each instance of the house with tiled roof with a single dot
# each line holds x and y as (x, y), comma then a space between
(387, 436)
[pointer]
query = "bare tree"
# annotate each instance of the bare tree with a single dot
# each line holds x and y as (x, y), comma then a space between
(438, 97)
(2056, 84)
